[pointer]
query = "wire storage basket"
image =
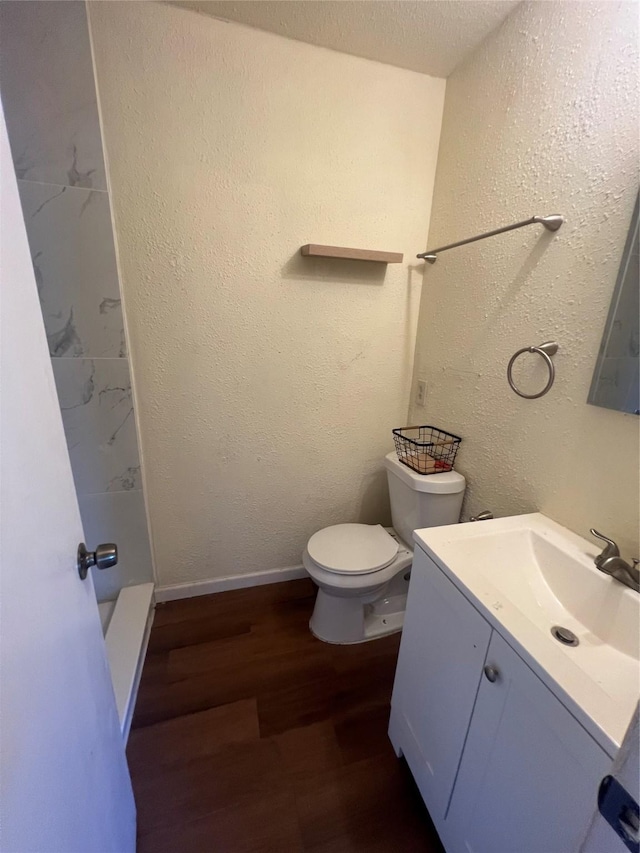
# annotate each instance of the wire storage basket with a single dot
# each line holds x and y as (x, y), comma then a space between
(426, 449)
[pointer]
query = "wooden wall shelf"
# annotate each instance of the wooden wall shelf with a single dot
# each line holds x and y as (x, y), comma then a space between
(312, 250)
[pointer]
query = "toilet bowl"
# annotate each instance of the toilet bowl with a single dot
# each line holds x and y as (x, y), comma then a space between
(362, 571)
(345, 610)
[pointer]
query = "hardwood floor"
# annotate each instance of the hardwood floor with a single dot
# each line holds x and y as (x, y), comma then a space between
(251, 736)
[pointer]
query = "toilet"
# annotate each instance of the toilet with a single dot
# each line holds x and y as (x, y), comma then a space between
(362, 570)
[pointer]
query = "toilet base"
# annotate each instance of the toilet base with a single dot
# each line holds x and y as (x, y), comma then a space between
(387, 619)
(344, 621)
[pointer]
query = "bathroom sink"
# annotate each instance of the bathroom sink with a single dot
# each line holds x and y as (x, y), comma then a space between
(529, 575)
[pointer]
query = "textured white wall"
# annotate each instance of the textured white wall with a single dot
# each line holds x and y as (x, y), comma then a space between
(267, 383)
(543, 118)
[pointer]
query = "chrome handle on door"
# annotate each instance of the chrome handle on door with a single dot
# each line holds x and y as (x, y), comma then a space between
(105, 556)
(492, 673)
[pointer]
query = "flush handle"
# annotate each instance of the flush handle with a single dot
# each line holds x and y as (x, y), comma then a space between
(104, 557)
(485, 515)
(492, 673)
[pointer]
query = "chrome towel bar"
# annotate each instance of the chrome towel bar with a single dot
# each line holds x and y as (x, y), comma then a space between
(551, 223)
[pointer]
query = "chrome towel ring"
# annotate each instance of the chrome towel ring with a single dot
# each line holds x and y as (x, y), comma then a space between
(546, 351)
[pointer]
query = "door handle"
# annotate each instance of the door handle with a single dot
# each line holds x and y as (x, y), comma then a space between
(620, 810)
(105, 556)
(492, 673)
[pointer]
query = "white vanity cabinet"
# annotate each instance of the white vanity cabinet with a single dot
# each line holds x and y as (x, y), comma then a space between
(444, 644)
(501, 764)
(529, 773)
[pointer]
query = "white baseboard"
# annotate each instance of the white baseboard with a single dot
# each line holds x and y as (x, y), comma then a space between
(189, 590)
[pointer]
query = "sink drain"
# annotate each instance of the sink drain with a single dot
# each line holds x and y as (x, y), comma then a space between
(564, 636)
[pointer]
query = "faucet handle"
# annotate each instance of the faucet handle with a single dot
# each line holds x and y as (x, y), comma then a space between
(611, 549)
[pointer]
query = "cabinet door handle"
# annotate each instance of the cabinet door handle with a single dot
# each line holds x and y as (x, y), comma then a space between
(492, 673)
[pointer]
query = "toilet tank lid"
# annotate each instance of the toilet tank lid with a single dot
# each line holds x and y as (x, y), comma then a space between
(447, 483)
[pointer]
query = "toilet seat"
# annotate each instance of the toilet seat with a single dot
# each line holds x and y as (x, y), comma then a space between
(352, 549)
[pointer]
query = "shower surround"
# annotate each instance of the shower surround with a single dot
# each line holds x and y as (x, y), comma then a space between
(49, 98)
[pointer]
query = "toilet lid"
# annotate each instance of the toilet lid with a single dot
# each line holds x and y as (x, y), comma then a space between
(352, 548)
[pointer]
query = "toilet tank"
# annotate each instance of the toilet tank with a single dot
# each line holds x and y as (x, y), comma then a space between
(422, 500)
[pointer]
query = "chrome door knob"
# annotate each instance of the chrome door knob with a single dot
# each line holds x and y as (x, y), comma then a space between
(492, 673)
(105, 556)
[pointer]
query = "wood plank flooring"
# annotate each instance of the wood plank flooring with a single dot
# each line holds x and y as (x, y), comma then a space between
(251, 736)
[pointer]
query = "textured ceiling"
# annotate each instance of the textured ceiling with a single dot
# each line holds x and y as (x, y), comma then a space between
(430, 36)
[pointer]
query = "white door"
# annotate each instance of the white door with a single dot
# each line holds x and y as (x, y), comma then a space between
(528, 772)
(64, 782)
(601, 838)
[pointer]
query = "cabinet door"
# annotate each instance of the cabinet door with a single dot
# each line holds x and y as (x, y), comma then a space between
(529, 773)
(444, 643)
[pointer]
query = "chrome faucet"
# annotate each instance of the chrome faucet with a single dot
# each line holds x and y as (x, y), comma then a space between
(611, 563)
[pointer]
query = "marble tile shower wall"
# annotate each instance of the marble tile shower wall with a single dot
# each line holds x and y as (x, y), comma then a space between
(49, 99)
